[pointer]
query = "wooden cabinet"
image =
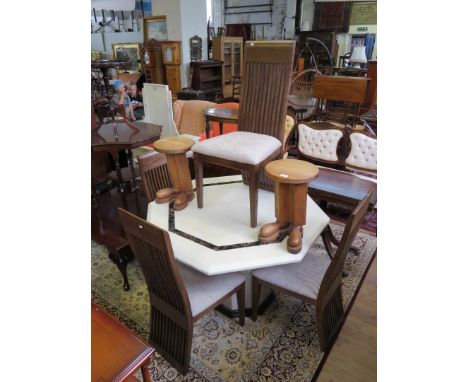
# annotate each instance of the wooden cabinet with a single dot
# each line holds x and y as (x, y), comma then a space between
(171, 60)
(207, 77)
(230, 50)
(152, 62)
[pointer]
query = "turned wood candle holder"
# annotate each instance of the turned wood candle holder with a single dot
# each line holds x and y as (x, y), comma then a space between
(291, 178)
(181, 192)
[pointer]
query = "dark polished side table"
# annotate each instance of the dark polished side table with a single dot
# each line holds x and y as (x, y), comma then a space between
(116, 353)
(343, 188)
(220, 115)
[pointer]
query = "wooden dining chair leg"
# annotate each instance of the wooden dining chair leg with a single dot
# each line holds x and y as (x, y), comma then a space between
(256, 288)
(145, 372)
(198, 164)
(241, 304)
(253, 194)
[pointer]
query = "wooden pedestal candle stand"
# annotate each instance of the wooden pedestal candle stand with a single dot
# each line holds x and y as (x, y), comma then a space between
(291, 178)
(175, 149)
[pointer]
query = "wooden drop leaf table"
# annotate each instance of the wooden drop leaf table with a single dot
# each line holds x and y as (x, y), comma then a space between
(175, 149)
(291, 178)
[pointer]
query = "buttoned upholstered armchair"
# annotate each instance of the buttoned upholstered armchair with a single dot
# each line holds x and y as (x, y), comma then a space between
(178, 295)
(262, 111)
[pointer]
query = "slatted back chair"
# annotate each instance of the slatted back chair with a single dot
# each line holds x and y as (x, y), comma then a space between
(351, 91)
(267, 77)
(330, 312)
(154, 174)
(171, 325)
(316, 279)
(262, 112)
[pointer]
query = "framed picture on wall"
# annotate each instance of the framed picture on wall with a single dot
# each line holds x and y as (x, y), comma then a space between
(332, 16)
(128, 51)
(155, 27)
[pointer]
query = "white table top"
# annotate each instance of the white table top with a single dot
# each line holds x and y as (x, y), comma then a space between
(225, 221)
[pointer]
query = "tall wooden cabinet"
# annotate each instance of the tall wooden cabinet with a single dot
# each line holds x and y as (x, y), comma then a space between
(171, 60)
(152, 62)
(230, 50)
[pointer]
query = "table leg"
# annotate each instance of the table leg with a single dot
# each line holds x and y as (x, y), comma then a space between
(121, 261)
(207, 128)
(221, 124)
(120, 186)
(145, 372)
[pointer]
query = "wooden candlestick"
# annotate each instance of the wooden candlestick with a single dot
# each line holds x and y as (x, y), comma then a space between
(291, 184)
(181, 192)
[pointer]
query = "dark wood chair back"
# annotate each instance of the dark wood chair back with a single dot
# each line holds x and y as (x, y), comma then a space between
(154, 174)
(265, 87)
(170, 319)
(329, 300)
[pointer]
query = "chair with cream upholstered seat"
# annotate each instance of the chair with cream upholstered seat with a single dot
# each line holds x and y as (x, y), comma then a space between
(262, 112)
(178, 294)
(316, 279)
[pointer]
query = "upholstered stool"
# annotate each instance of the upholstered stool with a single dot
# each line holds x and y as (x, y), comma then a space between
(181, 192)
(291, 178)
(240, 150)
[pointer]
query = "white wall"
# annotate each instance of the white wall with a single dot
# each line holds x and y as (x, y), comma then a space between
(185, 19)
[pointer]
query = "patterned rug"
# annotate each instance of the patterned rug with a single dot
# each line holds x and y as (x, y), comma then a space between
(282, 345)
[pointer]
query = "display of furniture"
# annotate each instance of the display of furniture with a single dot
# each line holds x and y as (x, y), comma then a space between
(116, 353)
(291, 177)
(152, 62)
(178, 295)
(207, 78)
(171, 60)
(222, 240)
(316, 280)
(262, 112)
(300, 99)
(181, 191)
(219, 115)
(314, 52)
(230, 51)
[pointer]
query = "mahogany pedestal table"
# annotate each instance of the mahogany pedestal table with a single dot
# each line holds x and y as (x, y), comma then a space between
(218, 239)
(291, 178)
(116, 353)
(175, 149)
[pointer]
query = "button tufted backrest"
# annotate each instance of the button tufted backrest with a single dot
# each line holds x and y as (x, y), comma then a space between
(319, 144)
(363, 154)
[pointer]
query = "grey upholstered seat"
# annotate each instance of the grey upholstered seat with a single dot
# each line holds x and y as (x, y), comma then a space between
(205, 290)
(239, 146)
(302, 278)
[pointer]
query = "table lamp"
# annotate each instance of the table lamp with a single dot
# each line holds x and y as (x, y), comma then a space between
(358, 57)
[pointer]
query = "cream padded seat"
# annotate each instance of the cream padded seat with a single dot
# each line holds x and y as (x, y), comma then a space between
(303, 278)
(239, 146)
(202, 290)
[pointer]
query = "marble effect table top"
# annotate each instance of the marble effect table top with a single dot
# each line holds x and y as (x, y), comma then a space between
(218, 238)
